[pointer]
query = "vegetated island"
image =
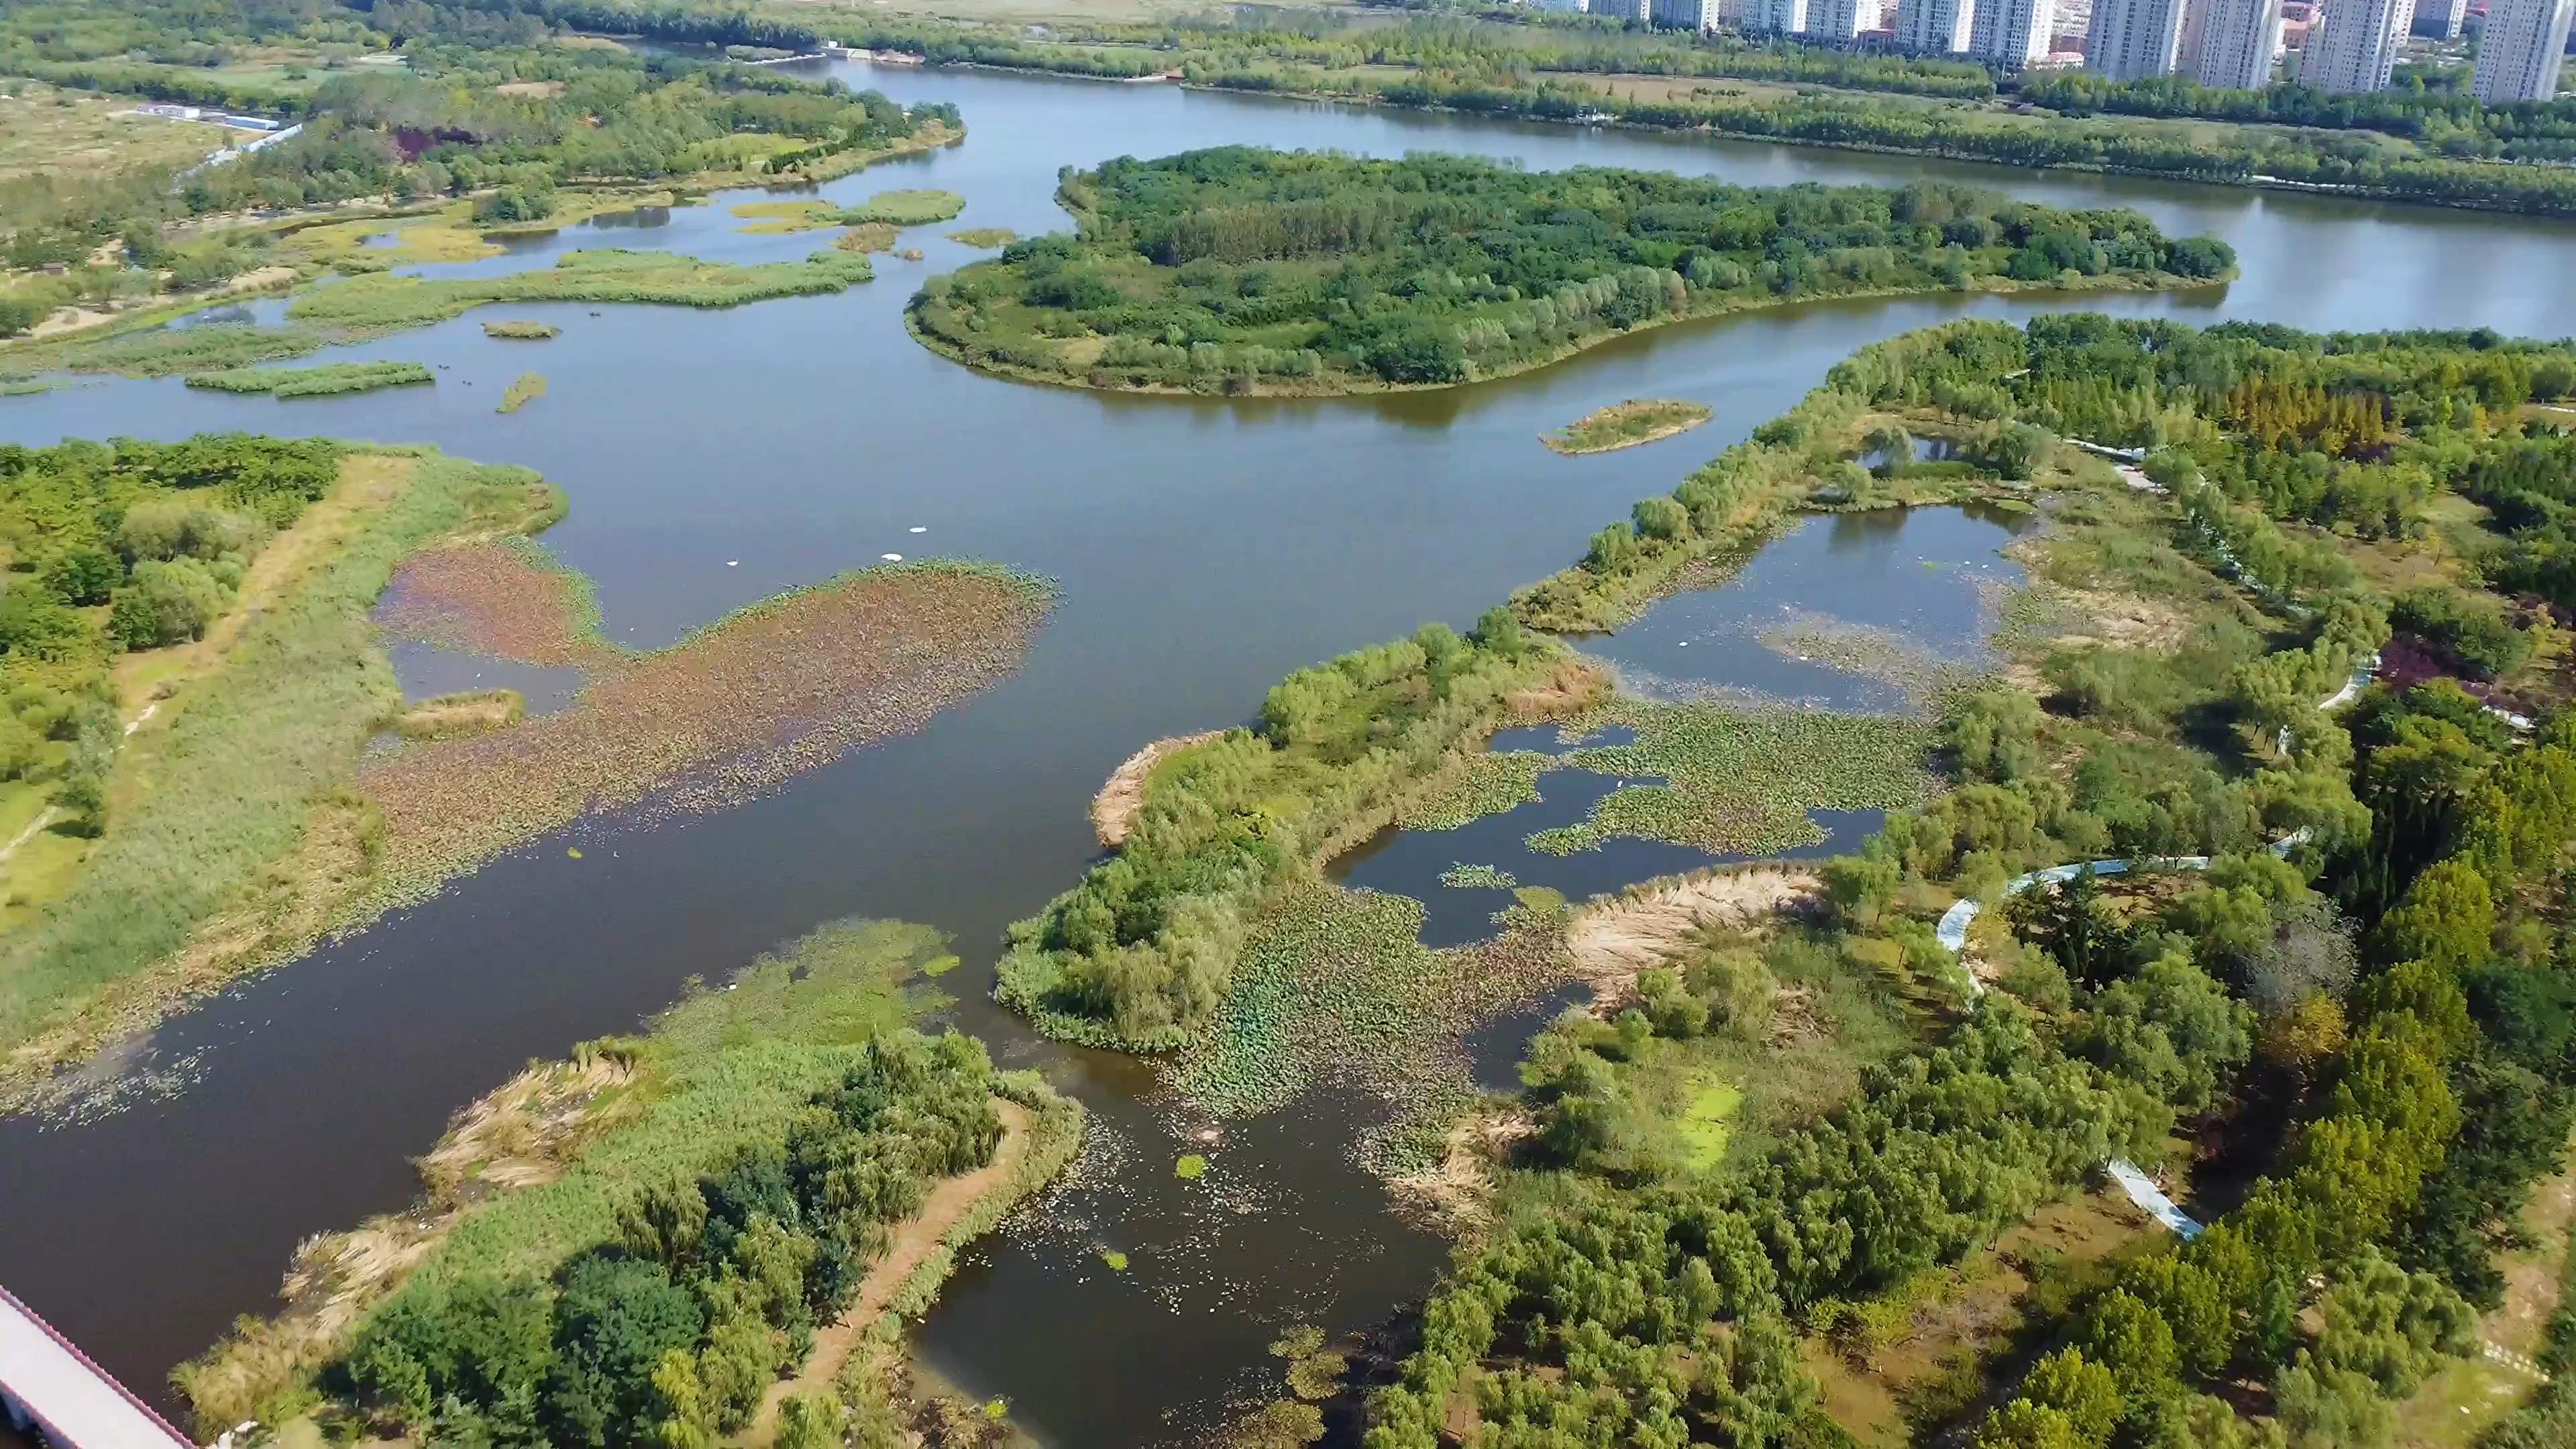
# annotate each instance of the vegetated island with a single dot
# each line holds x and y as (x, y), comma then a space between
(1255, 271)
(522, 331)
(200, 616)
(323, 381)
(1626, 425)
(1793, 1140)
(984, 236)
(716, 1226)
(886, 208)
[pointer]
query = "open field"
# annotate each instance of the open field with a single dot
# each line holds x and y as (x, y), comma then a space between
(67, 135)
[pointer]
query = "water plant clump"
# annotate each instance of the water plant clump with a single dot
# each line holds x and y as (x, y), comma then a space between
(522, 331)
(1626, 425)
(1475, 785)
(730, 711)
(509, 598)
(1924, 674)
(324, 381)
(1191, 1167)
(986, 237)
(1477, 877)
(524, 389)
(1743, 780)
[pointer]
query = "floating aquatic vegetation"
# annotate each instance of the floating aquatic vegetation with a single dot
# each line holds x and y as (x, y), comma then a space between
(1477, 877)
(1191, 1167)
(507, 598)
(731, 711)
(1744, 780)
(1478, 785)
(527, 388)
(1116, 1260)
(1873, 653)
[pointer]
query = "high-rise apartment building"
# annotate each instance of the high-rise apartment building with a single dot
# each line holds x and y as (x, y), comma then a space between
(2441, 18)
(2238, 39)
(2520, 51)
(1683, 14)
(2133, 39)
(2195, 20)
(2011, 32)
(1840, 19)
(1775, 17)
(1936, 27)
(2360, 45)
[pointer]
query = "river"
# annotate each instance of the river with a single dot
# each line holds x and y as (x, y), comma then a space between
(1205, 548)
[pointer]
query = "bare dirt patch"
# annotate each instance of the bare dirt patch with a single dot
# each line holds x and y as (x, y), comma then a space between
(1613, 941)
(733, 710)
(1115, 808)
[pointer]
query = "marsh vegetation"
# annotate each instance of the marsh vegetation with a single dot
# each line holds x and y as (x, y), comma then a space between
(524, 389)
(327, 380)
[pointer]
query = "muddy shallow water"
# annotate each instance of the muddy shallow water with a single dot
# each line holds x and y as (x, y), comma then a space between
(1203, 548)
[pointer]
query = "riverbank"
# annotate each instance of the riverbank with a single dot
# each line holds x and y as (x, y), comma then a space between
(543, 1169)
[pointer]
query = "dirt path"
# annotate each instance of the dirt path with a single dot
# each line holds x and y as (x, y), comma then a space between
(914, 1241)
(43, 818)
(1614, 941)
(1122, 799)
(367, 483)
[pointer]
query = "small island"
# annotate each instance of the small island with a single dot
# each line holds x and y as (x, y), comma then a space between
(1626, 425)
(521, 331)
(1245, 270)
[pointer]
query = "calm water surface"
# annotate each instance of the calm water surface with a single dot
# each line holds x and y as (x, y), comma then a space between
(1204, 547)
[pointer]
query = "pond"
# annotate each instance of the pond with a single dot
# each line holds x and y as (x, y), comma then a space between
(1204, 548)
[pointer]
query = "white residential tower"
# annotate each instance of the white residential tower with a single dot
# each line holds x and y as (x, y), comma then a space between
(2520, 51)
(2237, 43)
(1935, 27)
(2011, 32)
(2360, 46)
(2133, 39)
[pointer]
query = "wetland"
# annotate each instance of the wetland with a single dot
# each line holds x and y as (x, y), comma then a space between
(1203, 550)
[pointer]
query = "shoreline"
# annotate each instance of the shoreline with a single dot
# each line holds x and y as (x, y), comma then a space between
(2158, 282)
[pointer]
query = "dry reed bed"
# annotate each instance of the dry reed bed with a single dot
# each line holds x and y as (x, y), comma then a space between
(732, 710)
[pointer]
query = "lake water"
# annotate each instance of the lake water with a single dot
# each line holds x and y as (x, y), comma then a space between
(1205, 548)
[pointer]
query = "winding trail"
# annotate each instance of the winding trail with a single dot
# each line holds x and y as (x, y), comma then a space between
(1953, 935)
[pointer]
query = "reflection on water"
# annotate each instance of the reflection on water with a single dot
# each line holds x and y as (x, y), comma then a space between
(1924, 577)
(424, 670)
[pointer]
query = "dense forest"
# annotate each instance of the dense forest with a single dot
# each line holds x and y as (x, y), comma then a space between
(122, 546)
(2394, 980)
(1245, 269)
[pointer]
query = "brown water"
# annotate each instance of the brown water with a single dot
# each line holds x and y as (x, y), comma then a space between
(1205, 548)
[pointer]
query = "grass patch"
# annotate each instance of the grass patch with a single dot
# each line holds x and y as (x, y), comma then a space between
(327, 380)
(521, 331)
(526, 388)
(65, 135)
(1704, 1124)
(771, 218)
(1626, 425)
(874, 236)
(987, 237)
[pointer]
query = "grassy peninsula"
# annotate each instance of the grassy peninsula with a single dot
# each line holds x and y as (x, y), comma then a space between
(1626, 425)
(712, 1227)
(1247, 270)
(192, 670)
(1796, 1174)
